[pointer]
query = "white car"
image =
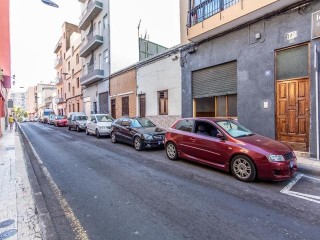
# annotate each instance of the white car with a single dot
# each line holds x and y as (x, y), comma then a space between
(99, 124)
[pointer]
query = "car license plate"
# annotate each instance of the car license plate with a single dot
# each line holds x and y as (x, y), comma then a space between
(291, 164)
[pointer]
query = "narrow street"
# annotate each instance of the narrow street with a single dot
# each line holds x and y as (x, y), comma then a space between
(118, 193)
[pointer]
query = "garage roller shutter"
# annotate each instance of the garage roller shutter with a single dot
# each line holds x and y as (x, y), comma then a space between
(215, 81)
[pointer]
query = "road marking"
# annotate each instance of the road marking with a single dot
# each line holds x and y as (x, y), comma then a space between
(74, 221)
(308, 197)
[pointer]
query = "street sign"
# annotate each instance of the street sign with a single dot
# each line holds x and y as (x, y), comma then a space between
(315, 28)
(50, 3)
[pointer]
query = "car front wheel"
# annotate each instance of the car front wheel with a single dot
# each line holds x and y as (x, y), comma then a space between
(243, 168)
(137, 143)
(113, 137)
(97, 133)
(171, 151)
(77, 128)
(87, 132)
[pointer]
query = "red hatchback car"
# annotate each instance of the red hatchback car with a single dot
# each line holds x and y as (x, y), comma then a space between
(60, 121)
(226, 145)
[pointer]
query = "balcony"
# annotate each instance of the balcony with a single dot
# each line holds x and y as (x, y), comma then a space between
(213, 17)
(92, 74)
(57, 63)
(57, 81)
(91, 12)
(93, 41)
(58, 47)
(60, 100)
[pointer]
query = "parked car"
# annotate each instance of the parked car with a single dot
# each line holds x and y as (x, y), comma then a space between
(226, 145)
(77, 121)
(51, 119)
(60, 121)
(46, 114)
(99, 124)
(139, 132)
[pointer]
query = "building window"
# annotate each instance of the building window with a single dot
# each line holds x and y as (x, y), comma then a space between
(65, 96)
(125, 106)
(73, 108)
(78, 107)
(68, 87)
(105, 21)
(78, 82)
(69, 66)
(72, 50)
(69, 108)
(73, 92)
(106, 56)
(163, 102)
(72, 73)
(77, 59)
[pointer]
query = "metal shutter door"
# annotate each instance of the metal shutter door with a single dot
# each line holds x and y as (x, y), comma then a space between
(103, 102)
(215, 81)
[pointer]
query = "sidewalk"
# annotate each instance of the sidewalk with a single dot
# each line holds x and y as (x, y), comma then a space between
(18, 219)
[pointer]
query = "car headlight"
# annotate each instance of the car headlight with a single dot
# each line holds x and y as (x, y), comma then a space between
(276, 158)
(147, 137)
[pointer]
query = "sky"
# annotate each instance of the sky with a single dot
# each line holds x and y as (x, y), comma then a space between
(36, 29)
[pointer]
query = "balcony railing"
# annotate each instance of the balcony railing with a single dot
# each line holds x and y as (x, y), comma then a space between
(207, 9)
(91, 74)
(57, 80)
(57, 63)
(92, 42)
(59, 100)
(92, 10)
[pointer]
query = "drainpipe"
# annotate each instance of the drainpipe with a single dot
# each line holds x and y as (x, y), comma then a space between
(316, 63)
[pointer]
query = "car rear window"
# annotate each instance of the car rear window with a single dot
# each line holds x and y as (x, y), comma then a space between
(185, 125)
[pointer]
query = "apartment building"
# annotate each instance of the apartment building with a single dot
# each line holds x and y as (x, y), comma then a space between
(19, 100)
(32, 101)
(44, 93)
(94, 51)
(5, 63)
(67, 53)
(253, 60)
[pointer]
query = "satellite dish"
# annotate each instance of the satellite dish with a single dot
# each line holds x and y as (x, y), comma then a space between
(50, 3)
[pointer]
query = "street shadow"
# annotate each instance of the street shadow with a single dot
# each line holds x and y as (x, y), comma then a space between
(7, 234)
(6, 223)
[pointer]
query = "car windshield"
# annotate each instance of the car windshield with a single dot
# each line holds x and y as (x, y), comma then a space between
(234, 129)
(104, 118)
(141, 122)
(81, 118)
(61, 117)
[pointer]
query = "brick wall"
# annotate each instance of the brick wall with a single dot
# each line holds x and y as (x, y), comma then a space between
(164, 121)
(122, 86)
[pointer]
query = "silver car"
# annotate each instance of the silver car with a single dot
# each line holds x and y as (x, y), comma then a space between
(99, 124)
(77, 121)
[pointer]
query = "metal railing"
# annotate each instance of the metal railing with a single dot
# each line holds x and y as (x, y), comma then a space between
(88, 8)
(90, 37)
(91, 68)
(207, 9)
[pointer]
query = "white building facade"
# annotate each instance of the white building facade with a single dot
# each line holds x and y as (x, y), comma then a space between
(159, 89)
(94, 51)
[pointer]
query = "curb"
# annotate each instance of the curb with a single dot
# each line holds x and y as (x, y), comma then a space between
(46, 225)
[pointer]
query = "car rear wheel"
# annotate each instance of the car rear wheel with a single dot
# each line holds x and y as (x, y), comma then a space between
(137, 143)
(171, 151)
(77, 128)
(243, 168)
(97, 133)
(113, 137)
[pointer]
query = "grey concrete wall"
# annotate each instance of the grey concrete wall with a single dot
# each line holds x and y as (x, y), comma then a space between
(256, 68)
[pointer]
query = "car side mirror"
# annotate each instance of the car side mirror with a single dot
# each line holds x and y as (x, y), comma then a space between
(220, 136)
(128, 127)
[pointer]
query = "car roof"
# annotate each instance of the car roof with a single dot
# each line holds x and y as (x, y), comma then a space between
(211, 119)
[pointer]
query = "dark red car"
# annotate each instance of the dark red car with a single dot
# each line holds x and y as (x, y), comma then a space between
(226, 145)
(60, 121)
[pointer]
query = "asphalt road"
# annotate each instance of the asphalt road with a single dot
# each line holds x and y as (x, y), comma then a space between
(119, 193)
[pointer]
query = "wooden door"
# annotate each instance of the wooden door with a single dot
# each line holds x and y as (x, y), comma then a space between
(293, 104)
(142, 105)
(113, 108)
